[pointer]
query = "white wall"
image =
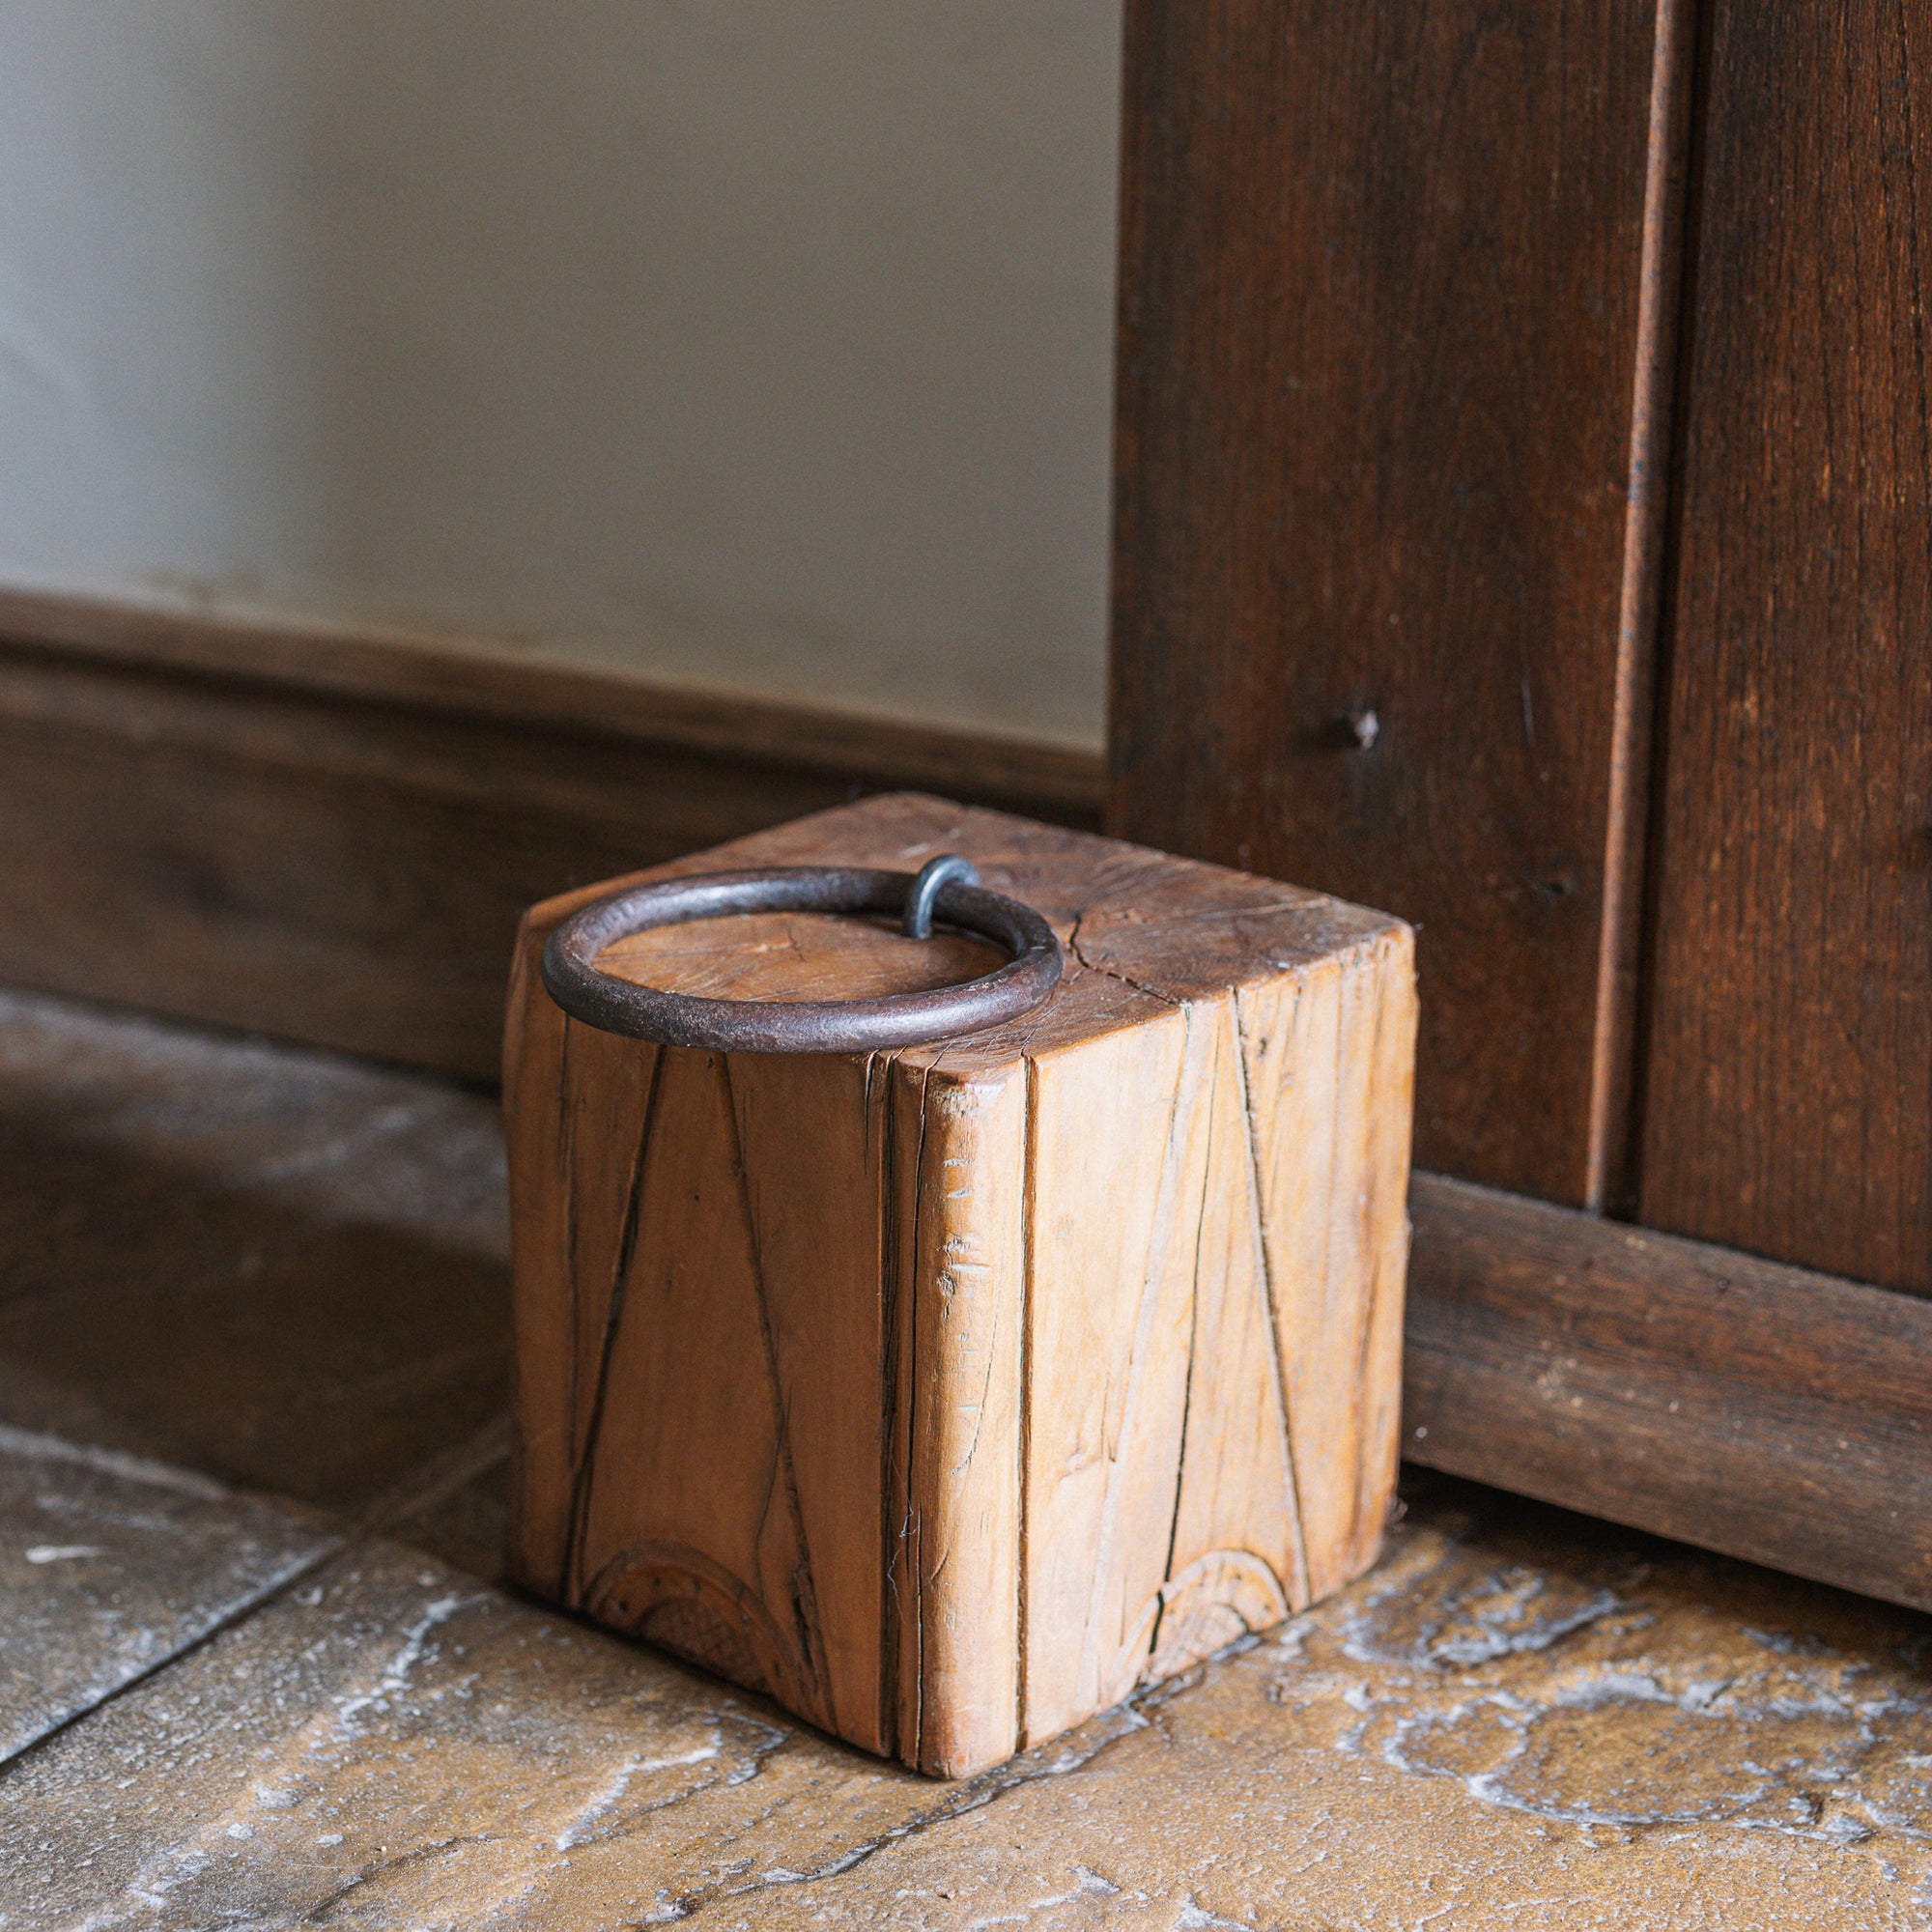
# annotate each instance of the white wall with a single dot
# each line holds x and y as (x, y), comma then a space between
(756, 344)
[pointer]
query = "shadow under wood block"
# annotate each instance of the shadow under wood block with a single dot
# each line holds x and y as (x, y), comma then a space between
(947, 1395)
(263, 1262)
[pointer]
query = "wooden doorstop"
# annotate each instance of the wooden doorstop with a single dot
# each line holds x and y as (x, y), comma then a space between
(947, 1394)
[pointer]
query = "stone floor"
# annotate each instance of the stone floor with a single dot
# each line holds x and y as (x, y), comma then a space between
(256, 1672)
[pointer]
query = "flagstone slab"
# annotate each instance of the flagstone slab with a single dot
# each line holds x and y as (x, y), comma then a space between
(110, 1566)
(1520, 1721)
(276, 1268)
(280, 1266)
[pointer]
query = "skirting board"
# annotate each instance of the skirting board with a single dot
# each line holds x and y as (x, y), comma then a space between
(1750, 1407)
(331, 837)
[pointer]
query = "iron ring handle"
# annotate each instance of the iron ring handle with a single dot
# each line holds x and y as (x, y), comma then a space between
(572, 978)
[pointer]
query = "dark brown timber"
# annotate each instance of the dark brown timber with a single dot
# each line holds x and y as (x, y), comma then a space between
(1741, 1405)
(1381, 273)
(1789, 1103)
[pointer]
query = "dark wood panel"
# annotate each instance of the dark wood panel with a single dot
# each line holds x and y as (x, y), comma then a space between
(1380, 281)
(1738, 1403)
(271, 854)
(1789, 1100)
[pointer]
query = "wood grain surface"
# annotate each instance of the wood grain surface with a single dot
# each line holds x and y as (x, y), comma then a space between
(332, 838)
(949, 1394)
(1789, 1096)
(1379, 303)
(1742, 1405)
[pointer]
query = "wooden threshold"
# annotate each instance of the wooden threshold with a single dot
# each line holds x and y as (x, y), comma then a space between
(1750, 1407)
(330, 838)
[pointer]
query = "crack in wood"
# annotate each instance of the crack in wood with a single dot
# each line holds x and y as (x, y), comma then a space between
(802, 1590)
(882, 1068)
(583, 1474)
(1299, 1584)
(568, 1106)
(911, 1534)
(1193, 1345)
(1111, 973)
(1375, 1269)
(1152, 1280)
(1022, 1520)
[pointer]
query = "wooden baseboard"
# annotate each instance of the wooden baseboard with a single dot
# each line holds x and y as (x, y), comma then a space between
(1765, 1411)
(330, 838)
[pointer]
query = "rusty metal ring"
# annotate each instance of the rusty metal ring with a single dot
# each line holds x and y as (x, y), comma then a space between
(572, 977)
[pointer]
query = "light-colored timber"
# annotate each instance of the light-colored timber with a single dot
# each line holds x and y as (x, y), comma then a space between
(948, 1395)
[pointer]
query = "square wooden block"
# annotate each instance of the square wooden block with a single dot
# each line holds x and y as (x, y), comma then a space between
(947, 1395)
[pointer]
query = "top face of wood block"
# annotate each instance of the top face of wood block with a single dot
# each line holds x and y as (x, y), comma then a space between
(1142, 930)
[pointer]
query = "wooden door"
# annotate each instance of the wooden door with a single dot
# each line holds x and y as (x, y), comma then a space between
(1523, 525)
